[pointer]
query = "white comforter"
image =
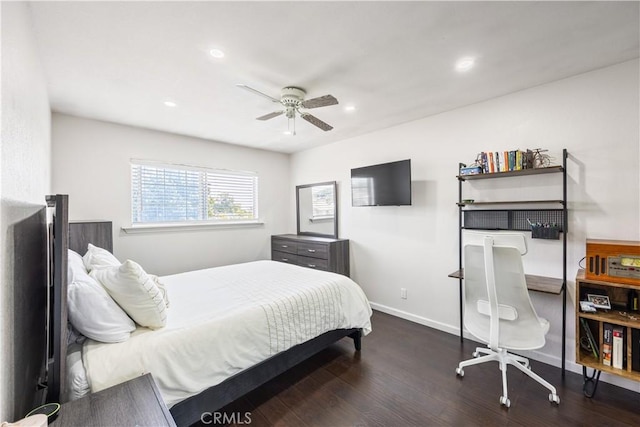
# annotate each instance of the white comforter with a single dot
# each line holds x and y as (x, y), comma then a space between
(223, 320)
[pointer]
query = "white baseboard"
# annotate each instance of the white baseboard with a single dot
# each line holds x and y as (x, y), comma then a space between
(549, 359)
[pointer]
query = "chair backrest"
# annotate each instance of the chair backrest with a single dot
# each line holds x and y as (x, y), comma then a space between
(498, 309)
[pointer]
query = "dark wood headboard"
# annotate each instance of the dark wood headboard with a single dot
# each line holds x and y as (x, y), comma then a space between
(98, 233)
(59, 245)
(65, 236)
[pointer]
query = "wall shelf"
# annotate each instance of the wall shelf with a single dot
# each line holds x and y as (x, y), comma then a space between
(512, 202)
(510, 174)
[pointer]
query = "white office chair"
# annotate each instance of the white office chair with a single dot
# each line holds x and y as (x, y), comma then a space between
(497, 309)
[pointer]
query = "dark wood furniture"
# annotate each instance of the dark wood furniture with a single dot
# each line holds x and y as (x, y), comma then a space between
(190, 410)
(475, 215)
(136, 402)
(628, 320)
(83, 232)
(322, 253)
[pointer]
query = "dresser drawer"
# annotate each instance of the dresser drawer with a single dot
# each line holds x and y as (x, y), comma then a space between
(317, 263)
(284, 257)
(282, 245)
(314, 250)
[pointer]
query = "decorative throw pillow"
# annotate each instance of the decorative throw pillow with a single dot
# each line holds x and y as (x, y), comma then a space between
(162, 287)
(98, 258)
(94, 313)
(132, 288)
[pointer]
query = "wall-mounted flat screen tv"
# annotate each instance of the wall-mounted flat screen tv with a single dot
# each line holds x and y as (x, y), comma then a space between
(387, 184)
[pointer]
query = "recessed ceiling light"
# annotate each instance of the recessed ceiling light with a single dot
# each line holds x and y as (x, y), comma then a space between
(216, 53)
(350, 108)
(287, 132)
(170, 103)
(465, 64)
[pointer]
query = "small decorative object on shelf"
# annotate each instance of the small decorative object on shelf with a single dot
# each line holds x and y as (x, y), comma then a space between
(471, 170)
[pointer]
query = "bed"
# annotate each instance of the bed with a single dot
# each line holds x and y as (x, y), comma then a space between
(242, 329)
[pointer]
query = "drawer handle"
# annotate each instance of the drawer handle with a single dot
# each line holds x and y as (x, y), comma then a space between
(311, 265)
(285, 259)
(285, 246)
(311, 250)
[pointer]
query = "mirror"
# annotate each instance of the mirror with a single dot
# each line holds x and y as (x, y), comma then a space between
(317, 209)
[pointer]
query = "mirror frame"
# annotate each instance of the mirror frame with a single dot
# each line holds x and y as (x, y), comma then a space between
(334, 184)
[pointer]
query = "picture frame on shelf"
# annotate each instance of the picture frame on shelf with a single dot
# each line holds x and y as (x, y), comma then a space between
(599, 301)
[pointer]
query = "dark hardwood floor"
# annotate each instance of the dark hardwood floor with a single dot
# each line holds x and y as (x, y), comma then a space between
(405, 376)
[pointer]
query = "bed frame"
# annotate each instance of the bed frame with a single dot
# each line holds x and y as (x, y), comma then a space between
(76, 236)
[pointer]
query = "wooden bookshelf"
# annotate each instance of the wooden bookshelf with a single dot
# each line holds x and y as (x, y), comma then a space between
(628, 320)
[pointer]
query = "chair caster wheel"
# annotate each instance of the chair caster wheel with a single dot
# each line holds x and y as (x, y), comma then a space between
(475, 354)
(505, 401)
(460, 372)
(554, 398)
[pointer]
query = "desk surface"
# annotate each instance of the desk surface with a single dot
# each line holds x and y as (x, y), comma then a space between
(548, 285)
(135, 403)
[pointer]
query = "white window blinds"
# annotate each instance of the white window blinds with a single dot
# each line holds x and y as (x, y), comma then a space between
(175, 193)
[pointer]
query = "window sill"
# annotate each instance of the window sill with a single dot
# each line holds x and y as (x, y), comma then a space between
(162, 228)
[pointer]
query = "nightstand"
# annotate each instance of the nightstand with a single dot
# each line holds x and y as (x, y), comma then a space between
(137, 402)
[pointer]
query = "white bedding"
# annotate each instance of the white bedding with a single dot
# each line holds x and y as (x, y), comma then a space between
(226, 319)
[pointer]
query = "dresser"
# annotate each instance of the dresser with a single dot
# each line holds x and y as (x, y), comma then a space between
(321, 253)
(133, 403)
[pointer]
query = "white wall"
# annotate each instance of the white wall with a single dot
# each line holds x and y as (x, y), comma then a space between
(594, 116)
(25, 171)
(91, 163)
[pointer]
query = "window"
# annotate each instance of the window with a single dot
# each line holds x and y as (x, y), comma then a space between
(183, 194)
(322, 202)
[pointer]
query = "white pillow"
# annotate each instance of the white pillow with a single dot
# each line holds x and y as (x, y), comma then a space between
(94, 314)
(132, 288)
(75, 266)
(162, 287)
(97, 258)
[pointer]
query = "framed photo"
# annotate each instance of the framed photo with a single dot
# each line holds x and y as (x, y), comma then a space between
(599, 301)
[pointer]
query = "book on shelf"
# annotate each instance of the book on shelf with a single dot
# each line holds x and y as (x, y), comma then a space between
(607, 343)
(635, 349)
(592, 342)
(618, 347)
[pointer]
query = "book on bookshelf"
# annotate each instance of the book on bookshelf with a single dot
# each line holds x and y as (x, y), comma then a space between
(618, 347)
(635, 350)
(607, 343)
(592, 342)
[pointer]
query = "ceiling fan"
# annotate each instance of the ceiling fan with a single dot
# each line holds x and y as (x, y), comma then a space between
(293, 102)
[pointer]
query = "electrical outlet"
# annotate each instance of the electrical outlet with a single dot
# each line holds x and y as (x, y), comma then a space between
(403, 293)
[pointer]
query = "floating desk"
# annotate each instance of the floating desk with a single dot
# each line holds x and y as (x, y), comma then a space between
(544, 284)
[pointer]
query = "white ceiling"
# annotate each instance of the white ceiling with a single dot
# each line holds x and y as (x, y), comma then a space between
(118, 61)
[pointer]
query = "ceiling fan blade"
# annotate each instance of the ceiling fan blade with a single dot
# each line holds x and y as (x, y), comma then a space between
(316, 122)
(270, 115)
(321, 101)
(257, 92)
